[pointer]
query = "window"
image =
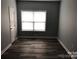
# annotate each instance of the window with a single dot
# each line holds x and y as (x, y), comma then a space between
(33, 20)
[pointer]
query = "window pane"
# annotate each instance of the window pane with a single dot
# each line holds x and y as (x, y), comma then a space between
(27, 26)
(27, 15)
(39, 26)
(40, 16)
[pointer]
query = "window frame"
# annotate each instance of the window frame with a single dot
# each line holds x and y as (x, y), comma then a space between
(34, 21)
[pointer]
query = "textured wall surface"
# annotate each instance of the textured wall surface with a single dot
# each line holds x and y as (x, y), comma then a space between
(52, 17)
(68, 24)
(38, 0)
(5, 22)
(5, 30)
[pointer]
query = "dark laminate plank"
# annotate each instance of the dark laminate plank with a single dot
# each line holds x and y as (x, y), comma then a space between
(36, 49)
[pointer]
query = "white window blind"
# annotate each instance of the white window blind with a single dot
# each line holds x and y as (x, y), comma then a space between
(33, 20)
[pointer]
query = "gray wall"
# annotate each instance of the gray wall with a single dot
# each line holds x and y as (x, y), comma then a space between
(38, 0)
(68, 24)
(52, 17)
(5, 29)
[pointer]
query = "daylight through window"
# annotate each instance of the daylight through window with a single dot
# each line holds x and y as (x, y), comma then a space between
(33, 20)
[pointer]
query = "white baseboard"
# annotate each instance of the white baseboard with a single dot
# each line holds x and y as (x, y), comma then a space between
(72, 54)
(36, 37)
(5, 49)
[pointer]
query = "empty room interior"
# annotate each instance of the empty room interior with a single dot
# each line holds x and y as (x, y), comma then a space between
(38, 29)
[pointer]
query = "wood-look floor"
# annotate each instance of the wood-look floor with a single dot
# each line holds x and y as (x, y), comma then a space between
(36, 49)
